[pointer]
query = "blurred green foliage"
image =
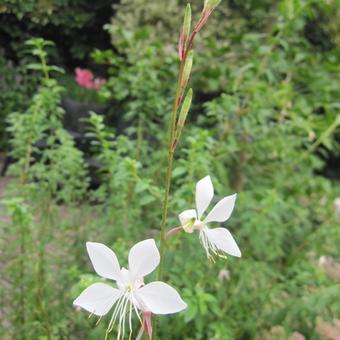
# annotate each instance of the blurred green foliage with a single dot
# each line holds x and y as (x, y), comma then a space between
(72, 23)
(16, 86)
(76, 27)
(264, 121)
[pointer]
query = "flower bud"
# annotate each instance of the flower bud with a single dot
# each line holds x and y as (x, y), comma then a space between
(187, 70)
(185, 109)
(181, 121)
(184, 36)
(187, 22)
(210, 4)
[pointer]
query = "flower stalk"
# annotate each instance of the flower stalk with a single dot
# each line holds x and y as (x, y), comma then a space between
(171, 150)
(186, 60)
(173, 231)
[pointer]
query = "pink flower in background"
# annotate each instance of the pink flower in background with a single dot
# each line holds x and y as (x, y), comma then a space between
(85, 78)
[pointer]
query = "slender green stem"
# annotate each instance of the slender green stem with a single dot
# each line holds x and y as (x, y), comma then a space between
(168, 175)
(165, 212)
(140, 132)
(171, 151)
(44, 67)
(325, 134)
(172, 148)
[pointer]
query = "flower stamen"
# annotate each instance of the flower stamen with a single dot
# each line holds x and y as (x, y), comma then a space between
(98, 321)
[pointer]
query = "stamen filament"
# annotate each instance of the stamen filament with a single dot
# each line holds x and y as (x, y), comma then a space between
(114, 315)
(130, 320)
(208, 245)
(98, 321)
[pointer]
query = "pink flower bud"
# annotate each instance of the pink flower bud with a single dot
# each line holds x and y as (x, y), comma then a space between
(83, 77)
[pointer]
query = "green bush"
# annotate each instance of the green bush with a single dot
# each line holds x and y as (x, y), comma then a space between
(16, 85)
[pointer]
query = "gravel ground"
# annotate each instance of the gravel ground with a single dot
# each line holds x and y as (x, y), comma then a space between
(3, 183)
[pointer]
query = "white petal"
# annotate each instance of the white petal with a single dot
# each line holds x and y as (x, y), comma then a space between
(204, 195)
(143, 258)
(186, 215)
(104, 260)
(98, 299)
(160, 298)
(223, 240)
(222, 210)
(125, 277)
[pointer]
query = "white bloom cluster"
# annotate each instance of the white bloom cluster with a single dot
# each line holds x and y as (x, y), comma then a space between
(131, 293)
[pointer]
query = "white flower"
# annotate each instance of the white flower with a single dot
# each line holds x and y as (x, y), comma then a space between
(132, 293)
(215, 240)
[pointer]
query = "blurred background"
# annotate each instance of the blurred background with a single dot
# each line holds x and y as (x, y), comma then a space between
(85, 96)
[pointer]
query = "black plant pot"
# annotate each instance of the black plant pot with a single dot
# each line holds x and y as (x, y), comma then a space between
(76, 112)
(74, 122)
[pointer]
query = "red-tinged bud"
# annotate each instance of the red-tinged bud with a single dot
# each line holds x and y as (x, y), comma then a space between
(210, 4)
(203, 20)
(180, 46)
(184, 36)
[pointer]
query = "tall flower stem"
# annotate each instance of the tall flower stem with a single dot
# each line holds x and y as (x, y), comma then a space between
(185, 46)
(171, 151)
